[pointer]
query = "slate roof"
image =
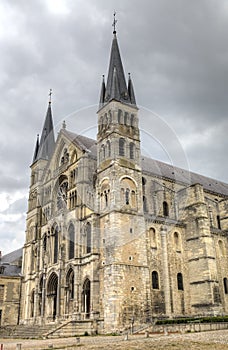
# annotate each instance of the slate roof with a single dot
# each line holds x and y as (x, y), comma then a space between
(158, 168)
(12, 263)
(47, 140)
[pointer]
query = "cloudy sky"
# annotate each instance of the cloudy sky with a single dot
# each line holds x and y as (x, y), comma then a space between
(177, 54)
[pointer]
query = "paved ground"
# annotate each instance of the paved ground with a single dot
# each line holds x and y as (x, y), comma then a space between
(215, 340)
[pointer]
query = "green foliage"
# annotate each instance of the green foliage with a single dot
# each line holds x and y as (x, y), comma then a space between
(209, 319)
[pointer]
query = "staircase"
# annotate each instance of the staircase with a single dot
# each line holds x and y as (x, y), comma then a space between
(67, 329)
(25, 331)
(72, 328)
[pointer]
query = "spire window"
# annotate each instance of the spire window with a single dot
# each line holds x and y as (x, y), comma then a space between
(132, 150)
(122, 147)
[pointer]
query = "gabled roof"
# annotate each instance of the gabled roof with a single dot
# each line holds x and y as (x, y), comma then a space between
(158, 168)
(83, 142)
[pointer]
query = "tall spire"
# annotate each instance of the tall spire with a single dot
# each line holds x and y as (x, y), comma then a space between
(47, 141)
(36, 149)
(116, 87)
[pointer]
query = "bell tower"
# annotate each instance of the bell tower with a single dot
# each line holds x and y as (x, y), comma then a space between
(120, 199)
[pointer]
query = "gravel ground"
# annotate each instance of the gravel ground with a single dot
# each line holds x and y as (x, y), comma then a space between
(214, 340)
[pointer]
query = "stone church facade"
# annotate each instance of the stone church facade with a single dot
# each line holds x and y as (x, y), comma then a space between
(113, 237)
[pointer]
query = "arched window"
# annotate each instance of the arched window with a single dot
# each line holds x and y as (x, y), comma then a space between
(180, 285)
(132, 150)
(121, 147)
(56, 244)
(218, 222)
(45, 242)
(127, 196)
(88, 238)
(108, 145)
(165, 209)
(176, 240)
(155, 280)
(153, 237)
(221, 248)
(110, 116)
(71, 235)
(120, 116)
(145, 204)
(125, 118)
(132, 120)
(225, 284)
(143, 184)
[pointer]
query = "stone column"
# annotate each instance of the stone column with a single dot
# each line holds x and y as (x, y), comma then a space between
(165, 266)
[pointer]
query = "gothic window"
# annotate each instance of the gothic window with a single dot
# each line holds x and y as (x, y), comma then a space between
(125, 118)
(176, 240)
(45, 242)
(225, 284)
(108, 145)
(143, 184)
(132, 150)
(110, 116)
(180, 285)
(105, 120)
(71, 235)
(88, 238)
(153, 238)
(133, 199)
(121, 147)
(221, 247)
(218, 222)
(32, 299)
(145, 209)
(56, 244)
(65, 156)
(120, 117)
(105, 194)
(127, 196)
(165, 209)
(128, 192)
(62, 195)
(155, 280)
(132, 120)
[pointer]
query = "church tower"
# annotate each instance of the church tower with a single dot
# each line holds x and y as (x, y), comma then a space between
(124, 297)
(31, 255)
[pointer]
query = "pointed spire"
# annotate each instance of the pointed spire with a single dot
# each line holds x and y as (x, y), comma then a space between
(116, 87)
(36, 149)
(47, 141)
(102, 95)
(131, 90)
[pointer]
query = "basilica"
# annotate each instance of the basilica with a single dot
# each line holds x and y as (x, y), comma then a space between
(114, 237)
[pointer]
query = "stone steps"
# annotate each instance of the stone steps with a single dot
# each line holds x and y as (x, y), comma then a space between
(25, 331)
(72, 329)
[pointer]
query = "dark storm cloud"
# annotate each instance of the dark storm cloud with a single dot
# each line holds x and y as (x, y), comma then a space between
(177, 54)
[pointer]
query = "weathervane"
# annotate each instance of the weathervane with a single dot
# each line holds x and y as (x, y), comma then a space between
(50, 93)
(114, 22)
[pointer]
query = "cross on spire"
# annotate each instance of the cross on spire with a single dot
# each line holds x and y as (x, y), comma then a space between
(114, 22)
(50, 93)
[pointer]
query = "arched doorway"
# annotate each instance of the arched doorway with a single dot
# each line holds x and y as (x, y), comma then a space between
(86, 298)
(52, 291)
(70, 291)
